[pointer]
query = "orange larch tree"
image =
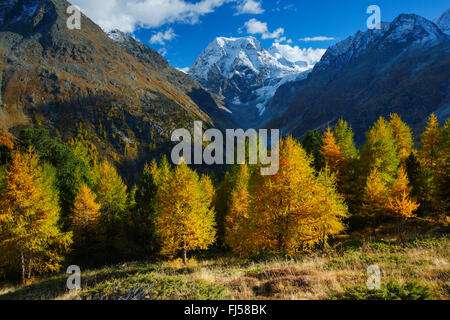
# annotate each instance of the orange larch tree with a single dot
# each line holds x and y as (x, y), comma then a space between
(334, 157)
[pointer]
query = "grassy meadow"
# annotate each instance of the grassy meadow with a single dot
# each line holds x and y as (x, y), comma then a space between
(419, 269)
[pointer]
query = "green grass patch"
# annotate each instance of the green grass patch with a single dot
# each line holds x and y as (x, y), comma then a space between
(392, 291)
(155, 287)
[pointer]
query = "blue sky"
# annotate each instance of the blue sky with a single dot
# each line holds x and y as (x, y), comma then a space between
(181, 29)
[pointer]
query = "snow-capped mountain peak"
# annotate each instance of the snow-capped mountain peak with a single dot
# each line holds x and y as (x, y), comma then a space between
(413, 28)
(406, 30)
(117, 35)
(238, 56)
(246, 74)
(443, 22)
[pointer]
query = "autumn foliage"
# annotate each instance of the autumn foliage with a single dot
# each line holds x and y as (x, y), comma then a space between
(62, 203)
(287, 213)
(184, 217)
(29, 233)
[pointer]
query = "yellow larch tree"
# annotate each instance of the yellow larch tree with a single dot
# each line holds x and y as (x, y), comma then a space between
(403, 136)
(30, 237)
(236, 220)
(282, 219)
(184, 218)
(400, 202)
(343, 133)
(375, 198)
(431, 142)
(113, 200)
(443, 172)
(330, 207)
(85, 150)
(432, 156)
(111, 192)
(85, 220)
(380, 150)
(86, 212)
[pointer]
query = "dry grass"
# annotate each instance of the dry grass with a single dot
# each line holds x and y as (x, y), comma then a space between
(316, 275)
(320, 275)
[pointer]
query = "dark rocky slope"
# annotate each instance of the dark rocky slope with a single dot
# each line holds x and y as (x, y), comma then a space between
(72, 81)
(207, 101)
(403, 68)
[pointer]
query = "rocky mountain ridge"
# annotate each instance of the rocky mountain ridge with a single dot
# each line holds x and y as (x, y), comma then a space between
(402, 68)
(72, 81)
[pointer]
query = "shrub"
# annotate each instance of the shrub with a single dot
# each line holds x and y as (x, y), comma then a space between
(392, 291)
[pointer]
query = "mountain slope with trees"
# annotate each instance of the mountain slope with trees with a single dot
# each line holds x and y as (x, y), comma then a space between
(70, 81)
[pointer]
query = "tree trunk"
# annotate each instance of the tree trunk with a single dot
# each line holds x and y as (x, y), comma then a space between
(400, 230)
(184, 253)
(374, 228)
(324, 247)
(29, 268)
(22, 258)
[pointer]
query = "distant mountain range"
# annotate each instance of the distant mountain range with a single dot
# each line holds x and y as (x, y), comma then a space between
(126, 95)
(402, 68)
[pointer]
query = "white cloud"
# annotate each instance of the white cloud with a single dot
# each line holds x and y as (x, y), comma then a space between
(161, 37)
(283, 39)
(294, 54)
(317, 39)
(127, 15)
(249, 7)
(289, 7)
(254, 26)
(273, 35)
